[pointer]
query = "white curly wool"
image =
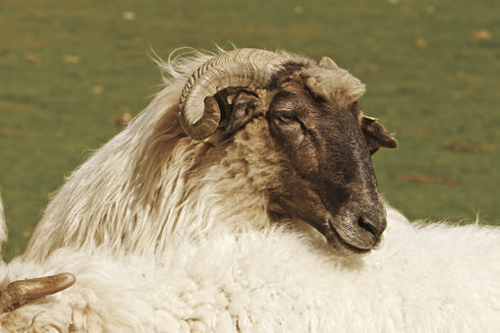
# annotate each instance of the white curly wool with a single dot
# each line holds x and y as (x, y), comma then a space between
(423, 278)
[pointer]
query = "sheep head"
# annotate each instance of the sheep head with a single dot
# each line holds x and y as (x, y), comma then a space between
(314, 121)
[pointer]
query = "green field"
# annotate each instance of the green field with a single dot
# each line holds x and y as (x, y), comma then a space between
(432, 67)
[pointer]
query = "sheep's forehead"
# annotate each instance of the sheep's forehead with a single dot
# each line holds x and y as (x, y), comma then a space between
(334, 84)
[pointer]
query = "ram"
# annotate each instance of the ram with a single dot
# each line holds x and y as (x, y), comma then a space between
(243, 199)
(257, 138)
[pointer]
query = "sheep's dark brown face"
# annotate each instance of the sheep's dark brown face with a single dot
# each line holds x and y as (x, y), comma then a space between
(329, 180)
(323, 175)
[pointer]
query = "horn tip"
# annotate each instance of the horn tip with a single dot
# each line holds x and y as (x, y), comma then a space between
(328, 62)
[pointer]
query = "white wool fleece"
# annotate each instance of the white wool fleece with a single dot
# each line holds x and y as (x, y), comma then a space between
(423, 278)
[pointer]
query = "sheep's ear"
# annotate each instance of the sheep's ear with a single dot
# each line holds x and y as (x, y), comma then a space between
(244, 108)
(376, 135)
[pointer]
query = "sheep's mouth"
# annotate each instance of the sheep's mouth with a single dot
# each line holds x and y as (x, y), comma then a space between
(339, 244)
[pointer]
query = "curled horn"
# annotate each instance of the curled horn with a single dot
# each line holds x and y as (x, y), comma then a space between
(199, 112)
(21, 292)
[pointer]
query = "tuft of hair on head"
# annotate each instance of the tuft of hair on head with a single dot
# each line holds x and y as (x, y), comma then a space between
(181, 63)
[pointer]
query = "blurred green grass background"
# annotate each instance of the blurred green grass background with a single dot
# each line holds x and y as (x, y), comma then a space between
(69, 68)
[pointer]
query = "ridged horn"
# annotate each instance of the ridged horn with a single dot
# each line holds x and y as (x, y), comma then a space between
(21, 292)
(199, 112)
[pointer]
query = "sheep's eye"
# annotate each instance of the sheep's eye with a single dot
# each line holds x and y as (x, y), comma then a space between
(285, 116)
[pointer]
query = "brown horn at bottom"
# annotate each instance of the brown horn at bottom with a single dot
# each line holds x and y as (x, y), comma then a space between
(21, 292)
(237, 68)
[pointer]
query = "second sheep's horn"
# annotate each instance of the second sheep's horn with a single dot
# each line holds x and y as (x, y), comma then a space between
(21, 292)
(199, 113)
(328, 62)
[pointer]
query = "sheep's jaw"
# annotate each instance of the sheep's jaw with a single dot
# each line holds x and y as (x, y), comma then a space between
(354, 227)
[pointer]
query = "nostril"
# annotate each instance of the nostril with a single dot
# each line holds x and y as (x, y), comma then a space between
(368, 226)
